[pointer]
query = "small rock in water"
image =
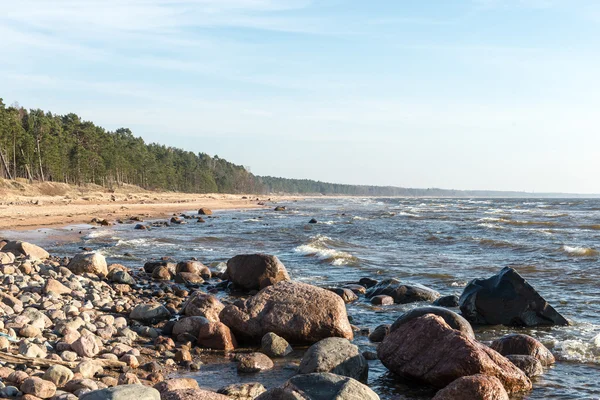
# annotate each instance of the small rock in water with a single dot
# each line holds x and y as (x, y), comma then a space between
(475, 387)
(447, 301)
(254, 362)
(518, 343)
(382, 300)
(243, 391)
(335, 355)
(312, 221)
(275, 346)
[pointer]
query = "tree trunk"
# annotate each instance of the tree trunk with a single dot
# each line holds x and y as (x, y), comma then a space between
(6, 168)
(40, 160)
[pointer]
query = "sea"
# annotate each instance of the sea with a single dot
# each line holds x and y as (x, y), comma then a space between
(442, 243)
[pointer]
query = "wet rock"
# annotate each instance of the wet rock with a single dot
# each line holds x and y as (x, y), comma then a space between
(162, 273)
(195, 267)
(507, 299)
(255, 271)
(205, 211)
(335, 355)
(275, 346)
(367, 282)
(346, 294)
(475, 387)
(320, 386)
(312, 221)
(428, 350)
(26, 249)
(150, 266)
(447, 301)
(357, 289)
(528, 364)
(450, 317)
(188, 278)
(150, 313)
(38, 387)
(254, 362)
(123, 392)
(203, 305)
(193, 394)
(298, 312)
(58, 374)
(90, 263)
(279, 208)
(382, 300)
(243, 391)
(403, 293)
(518, 343)
(379, 333)
(216, 335)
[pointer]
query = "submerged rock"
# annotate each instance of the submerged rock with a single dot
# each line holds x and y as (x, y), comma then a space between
(298, 312)
(255, 271)
(507, 299)
(402, 293)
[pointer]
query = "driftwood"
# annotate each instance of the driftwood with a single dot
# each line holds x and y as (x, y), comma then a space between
(44, 362)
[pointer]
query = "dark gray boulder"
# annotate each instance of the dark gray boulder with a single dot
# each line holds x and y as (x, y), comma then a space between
(335, 355)
(447, 301)
(507, 299)
(403, 293)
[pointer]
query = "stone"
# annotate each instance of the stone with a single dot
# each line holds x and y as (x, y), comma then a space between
(335, 355)
(38, 387)
(88, 369)
(26, 249)
(450, 317)
(193, 394)
(379, 333)
(194, 267)
(205, 211)
(58, 374)
(122, 277)
(275, 346)
(243, 391)
(528, 364)
(216, 335)
(54, 286)
(254, 362)
(30, 332)
(188, 325)
(150, 313)
(176, 384)
(123, 392)
(507, 299)
(150, 266)
(346, 294)
(474, 387)
(6, 258)
(428, 350)
(382, 300)
(90, 263)
(519, 343)
(255, 271)
(298, 312)
(447, 301)
(403, 293)
(29, 349)
(203, 305)
(162, 273)
(88, 345)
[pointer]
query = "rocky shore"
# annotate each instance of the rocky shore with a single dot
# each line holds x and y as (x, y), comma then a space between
(80, 328)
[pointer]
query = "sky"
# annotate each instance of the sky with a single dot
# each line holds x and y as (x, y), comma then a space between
(455, 94)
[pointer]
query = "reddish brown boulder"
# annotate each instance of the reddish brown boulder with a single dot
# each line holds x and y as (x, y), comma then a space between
(19, 248)
(427, 349)
(298, 312)
(203, 305)
(216, 335)
(192, 394)
(205, 211)
(194, 267)
(176, 384)
(518, 343)
(255, 271)
(475, 387)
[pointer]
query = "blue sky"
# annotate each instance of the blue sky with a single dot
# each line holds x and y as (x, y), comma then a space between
(463, 94)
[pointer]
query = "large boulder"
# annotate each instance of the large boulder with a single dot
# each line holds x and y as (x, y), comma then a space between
(403, 293)
(335, 355)
(90, 263)
(203, 305)
(123, 392)
(320, 386)
(507, 299)
(450, 317)
(255, 271)
(521, 344)
(150, 313)
(428, 350)
(216, 335)
(26, 249)
(476, 387)
(298, 312)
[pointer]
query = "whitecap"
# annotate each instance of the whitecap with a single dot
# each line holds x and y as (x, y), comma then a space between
(580, 251)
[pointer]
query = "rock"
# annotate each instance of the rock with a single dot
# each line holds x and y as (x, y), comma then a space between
(528, 364)
(128, 378)
(450, 317)
(447, 301)
(255, 271)
(254, 362)
(298, 312)
(507, 299)
(346, 294)
(88, 345)
(81, 384)
(313, 221)
(188, 278)
(205, 211)
(428, 350)
(382, 300)
(38, 387)
(243, 391)
(150, 313)
(204, 305)
(379, 333)
(28, 250)
(357, 289)
(150, 266)
(335, 355)
(320, 386)
(194, 267)
(193, 394)
(58, 375)
(90, 263)
(474, 387)
(176, 384)
(403, 293)
(6, 258)
(28, 349)
(279, 208)
(162, 273)
(123, 392)
(189, 325)
(275, 346)
(88, 369)
(518, 343)
(122, 277)
(54, 286)
(216, 335)
(30, 332)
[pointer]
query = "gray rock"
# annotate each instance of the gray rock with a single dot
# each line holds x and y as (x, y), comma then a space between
(337, 356)
(528, 364)
(403, 292)
(123, 392)
(150, 313)
(275, 346)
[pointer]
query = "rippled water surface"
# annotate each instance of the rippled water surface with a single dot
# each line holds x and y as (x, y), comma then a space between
(441, 243)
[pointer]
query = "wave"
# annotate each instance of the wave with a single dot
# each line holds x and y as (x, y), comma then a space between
(491, 226)
(357, 218)
(501, 244)
(320, 247)
(580, 251)
(594, 227)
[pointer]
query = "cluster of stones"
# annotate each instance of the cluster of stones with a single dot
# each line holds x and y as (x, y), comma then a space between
(79, 328)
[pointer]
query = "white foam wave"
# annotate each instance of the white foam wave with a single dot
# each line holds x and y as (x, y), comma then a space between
(491, 226)
(580, 251)
(318, 247)
(357, 218)
(98, 233)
